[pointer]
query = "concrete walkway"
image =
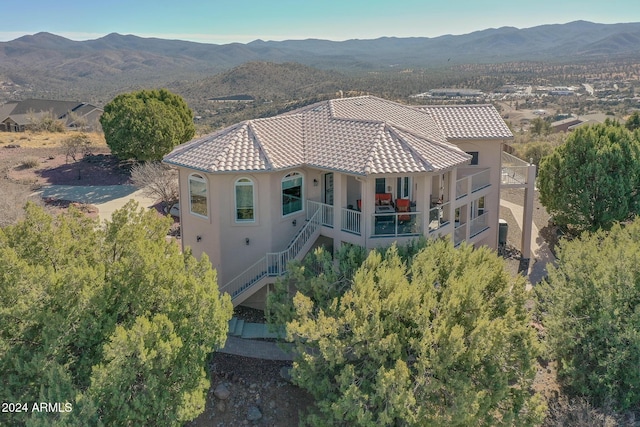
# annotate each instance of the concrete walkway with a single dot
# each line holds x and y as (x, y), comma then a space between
(540, 253)
(107, 198)
(257, 349)
(244, 340)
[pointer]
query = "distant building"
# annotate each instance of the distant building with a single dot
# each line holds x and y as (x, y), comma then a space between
(21, 115)
(450, 93)
(233, 98)
(565, 125)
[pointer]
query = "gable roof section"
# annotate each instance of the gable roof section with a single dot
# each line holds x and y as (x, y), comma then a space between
(23, 112)
(363, 135)
(469, 121)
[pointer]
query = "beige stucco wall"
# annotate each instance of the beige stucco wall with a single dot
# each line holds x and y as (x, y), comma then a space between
(489, 156)
(224, 239)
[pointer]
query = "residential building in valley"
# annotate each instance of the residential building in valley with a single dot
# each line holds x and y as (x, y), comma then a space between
(363, 171)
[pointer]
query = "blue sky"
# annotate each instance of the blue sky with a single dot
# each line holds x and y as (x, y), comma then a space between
(226, 21)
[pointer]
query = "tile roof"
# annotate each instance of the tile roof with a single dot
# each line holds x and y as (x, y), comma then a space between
(469, 121)
(363, 135)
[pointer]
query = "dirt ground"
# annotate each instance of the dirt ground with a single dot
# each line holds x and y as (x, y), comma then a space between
(253, 384)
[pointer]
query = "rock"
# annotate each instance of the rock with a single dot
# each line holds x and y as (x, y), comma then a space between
(285, 373)
(254, 414)
(222, 392)
(221, 407)
(272, 404)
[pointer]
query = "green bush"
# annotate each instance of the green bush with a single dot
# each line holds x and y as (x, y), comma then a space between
(439, 338)
(591, 312)
(592, 180)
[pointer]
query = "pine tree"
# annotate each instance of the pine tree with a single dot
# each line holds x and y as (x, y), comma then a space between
(113, 320)
(445, 341)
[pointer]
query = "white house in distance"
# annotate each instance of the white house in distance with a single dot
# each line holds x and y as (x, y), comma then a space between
(362, 171)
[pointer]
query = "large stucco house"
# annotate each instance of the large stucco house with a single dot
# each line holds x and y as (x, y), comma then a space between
(362, 171)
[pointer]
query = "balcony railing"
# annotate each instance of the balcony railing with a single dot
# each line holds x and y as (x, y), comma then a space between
(459, 234)
(397, 224)
(326, 212)
(473, 183)
(478, 224)
(273, 263)
(439, 217)
(351, 221)
(514, 170)
(462, 187)
(480, 180)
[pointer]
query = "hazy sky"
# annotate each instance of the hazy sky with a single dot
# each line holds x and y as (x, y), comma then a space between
(226, 21)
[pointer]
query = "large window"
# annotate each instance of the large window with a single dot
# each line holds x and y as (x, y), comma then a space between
(198, 195)
(292, 193)
(244, 201)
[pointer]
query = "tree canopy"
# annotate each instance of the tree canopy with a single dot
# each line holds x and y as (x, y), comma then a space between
(113, 320)
(592, 180)
(442, 338)
(590, 312)
(633, 122)
(147, 124)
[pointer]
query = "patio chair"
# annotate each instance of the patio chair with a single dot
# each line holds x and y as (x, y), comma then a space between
(403, 205)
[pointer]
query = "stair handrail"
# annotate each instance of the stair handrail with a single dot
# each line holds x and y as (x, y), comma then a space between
(273, 263)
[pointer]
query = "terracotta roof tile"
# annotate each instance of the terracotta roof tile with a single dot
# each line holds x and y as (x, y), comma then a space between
(469, 121)
(363, 135)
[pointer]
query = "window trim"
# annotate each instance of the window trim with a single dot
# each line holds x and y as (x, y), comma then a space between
(247, 183)
(201, 179)
(290, 177)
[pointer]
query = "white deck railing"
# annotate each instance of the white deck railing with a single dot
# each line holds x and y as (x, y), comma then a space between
(459, 234)
(462, 187)
(273, 263)
(472, 183)
(351, 221)
(480, 180)
(326, 212)
(439, 217)
(397, 224)
(514, 170)
(478, 224)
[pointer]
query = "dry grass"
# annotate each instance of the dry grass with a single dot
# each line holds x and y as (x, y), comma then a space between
(46, 139)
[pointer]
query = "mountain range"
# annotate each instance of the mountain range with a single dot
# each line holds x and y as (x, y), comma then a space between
(53, 65)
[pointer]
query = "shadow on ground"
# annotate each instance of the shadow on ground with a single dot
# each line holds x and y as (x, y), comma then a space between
(95, 194)
(96, 169)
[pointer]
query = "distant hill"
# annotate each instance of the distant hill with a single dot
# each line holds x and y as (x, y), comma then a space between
(51, 66)
(264, 81)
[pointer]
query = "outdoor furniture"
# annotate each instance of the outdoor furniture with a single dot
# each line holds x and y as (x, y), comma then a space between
(386, 219)
(403, 205)
(384, 199)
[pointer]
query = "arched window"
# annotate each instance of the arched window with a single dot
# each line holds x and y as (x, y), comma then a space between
(198, 195)
(292, 193)
(245, 201)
